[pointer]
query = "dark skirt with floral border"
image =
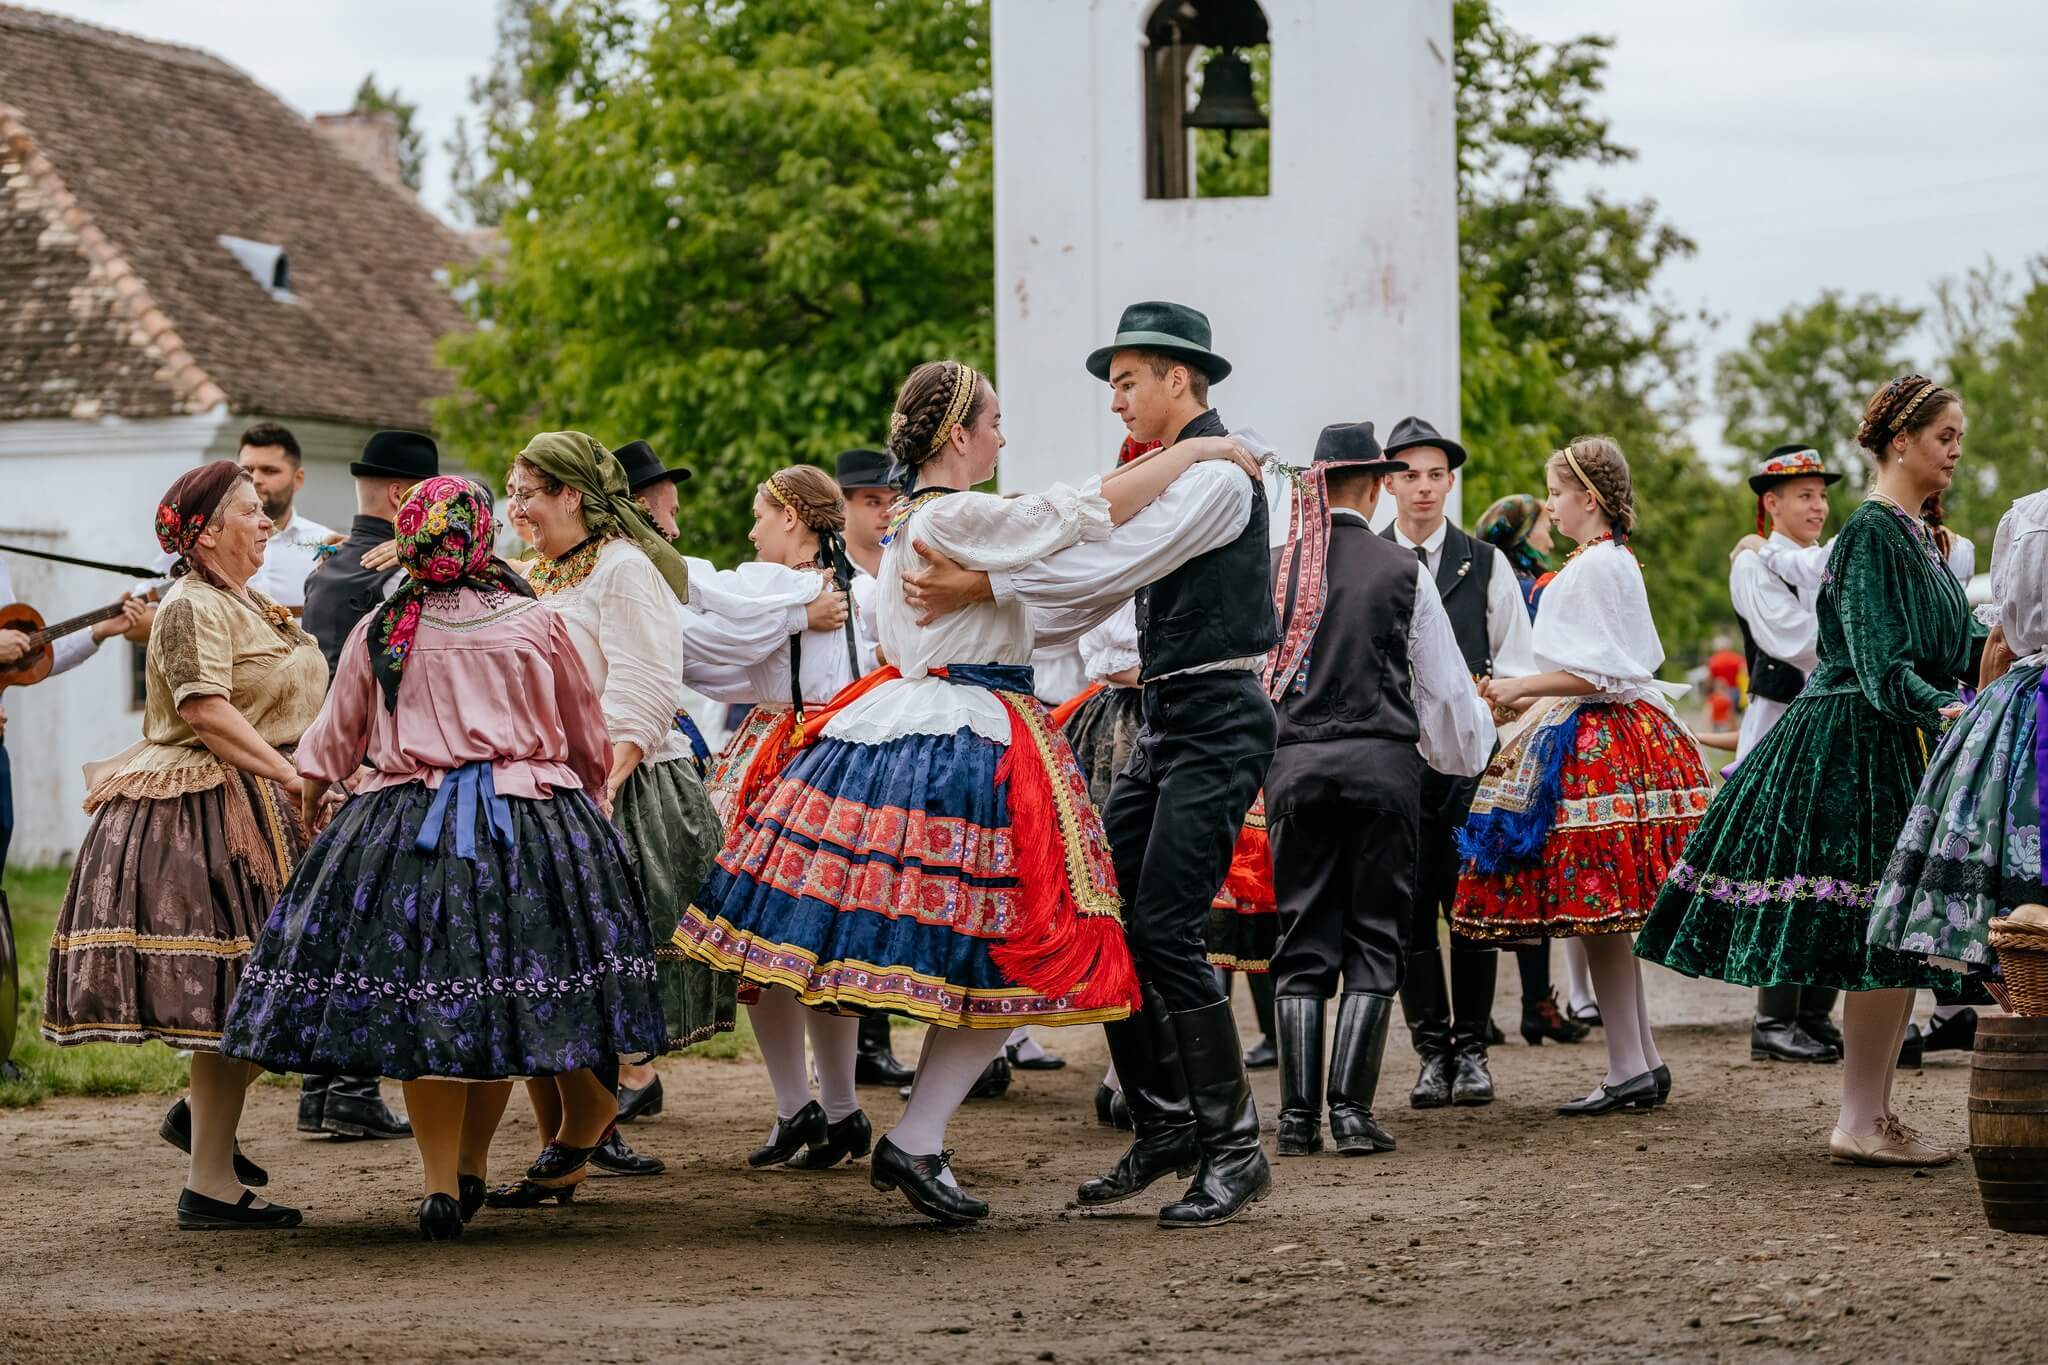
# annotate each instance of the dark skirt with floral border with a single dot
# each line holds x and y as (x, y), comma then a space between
(531, 958)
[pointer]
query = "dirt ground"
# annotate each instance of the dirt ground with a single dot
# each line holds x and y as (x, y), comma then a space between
(1714, 1228)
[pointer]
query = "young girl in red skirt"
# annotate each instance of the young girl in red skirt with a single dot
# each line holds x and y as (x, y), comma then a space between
(1582, 814)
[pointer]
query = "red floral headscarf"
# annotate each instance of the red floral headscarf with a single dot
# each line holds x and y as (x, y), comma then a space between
(444, 542)
(188, 509)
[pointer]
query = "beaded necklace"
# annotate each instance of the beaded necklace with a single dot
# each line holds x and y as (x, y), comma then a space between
(1545, 580)
(906, 508)
(550, 576)
(1916, 529)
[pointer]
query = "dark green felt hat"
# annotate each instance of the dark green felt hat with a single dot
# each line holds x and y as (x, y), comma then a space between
(1169, 328)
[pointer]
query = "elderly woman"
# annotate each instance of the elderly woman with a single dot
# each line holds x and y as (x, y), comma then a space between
(600, 563)
(470, 914)
(194, 834)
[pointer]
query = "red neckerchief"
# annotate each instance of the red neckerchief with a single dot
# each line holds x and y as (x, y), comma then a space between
(1132, 448)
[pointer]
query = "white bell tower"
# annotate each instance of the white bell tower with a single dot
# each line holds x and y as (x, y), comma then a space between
(1334, 294)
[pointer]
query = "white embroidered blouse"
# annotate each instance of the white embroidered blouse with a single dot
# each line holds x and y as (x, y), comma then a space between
(1595, 624)
(622, 619)
(736, 635)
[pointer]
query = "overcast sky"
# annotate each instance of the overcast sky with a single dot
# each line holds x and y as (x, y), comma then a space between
(1861, 145)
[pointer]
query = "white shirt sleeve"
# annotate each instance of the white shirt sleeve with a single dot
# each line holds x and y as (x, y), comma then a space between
(71, 651)
(983, 531)
(1801, 567)
(1962, 558)
(1070, 592)
(2019, 574)
(1509, 633)
(642, 656)
(1457, 725)
(1596, 624)
(1112, 647)
(1783, 626)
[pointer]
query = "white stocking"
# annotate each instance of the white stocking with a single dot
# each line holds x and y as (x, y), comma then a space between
(1109, 1079)
(1578, 981)
(1613, 968)
(1871, 1024)
(1027, 1047)
(1649, 1040)
(835, 1042)
(1898, 1041)
(953, 1060)
(778, 1022)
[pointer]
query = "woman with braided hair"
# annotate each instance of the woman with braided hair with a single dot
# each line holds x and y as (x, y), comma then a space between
(1778, 885)
(1580, 815)
(470, 915)
(799, 522)
(925, 845)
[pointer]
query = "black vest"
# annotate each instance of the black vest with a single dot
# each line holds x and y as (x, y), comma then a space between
(1218, 605)
(341, 592)
(1770, 678)
(1463, 571)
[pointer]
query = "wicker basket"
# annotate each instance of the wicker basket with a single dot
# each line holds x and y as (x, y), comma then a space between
(2023, 961)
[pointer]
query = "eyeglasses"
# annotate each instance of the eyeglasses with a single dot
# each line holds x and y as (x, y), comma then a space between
(519, 497)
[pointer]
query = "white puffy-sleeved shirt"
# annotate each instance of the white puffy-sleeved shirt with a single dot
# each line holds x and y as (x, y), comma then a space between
(976, 531)
(1507, 616)
(65, 653)
(736, 635)
(1112, 647)
(2019, 576)
(1595, 624)
(1802, 566)
(622, 619)
(1784, 623)
(864, 618)
(1962, 558)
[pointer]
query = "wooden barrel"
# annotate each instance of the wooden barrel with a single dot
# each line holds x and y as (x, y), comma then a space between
(2009, 1121)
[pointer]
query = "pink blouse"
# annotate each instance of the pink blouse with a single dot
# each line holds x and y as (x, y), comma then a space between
(492, 679)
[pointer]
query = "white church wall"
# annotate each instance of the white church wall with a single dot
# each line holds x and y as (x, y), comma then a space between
(1335, 296)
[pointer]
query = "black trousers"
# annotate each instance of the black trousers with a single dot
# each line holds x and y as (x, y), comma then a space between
(1446, 801)
(1343, 879)
(1204, 740)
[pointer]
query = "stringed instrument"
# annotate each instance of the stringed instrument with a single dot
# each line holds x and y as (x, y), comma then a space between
(35, 665)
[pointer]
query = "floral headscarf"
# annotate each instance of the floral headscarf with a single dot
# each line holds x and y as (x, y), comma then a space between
(188, 508)
(444, 542)
(1507, 524)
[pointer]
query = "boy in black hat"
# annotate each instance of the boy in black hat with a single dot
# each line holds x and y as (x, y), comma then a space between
(1780, 645)
(1370, 681)
(863, 477)
(1451, 1029)
(653, 485)
(1198, 561)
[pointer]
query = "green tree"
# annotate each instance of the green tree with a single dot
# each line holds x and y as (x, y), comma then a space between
(736, 228)
(1806, 374)
(412, 154)
(1235, 164)
(1995, 336)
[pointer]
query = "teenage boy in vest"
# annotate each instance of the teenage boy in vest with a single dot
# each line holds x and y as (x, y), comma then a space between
(1487, 614)
(1197, 561)
(1370, 682)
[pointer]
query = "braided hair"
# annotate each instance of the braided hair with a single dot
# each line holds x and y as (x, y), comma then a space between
(1907, 405)
(937, 397)
(814, 497)
(1596, 464)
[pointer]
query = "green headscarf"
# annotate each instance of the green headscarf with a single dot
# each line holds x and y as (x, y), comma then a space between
(577, 461)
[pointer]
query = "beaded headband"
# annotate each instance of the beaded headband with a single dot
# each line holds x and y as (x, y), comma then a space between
(1580, 473)
(1896, 423)
(965, 382)
(780, 496)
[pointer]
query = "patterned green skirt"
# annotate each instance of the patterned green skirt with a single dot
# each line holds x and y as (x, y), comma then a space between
(674, 835)
(1776, 885)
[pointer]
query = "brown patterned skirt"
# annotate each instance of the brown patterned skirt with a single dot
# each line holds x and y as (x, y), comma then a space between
(161, 914)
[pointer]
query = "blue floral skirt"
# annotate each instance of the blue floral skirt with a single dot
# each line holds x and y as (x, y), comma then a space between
(529, 958)
(1971, 848)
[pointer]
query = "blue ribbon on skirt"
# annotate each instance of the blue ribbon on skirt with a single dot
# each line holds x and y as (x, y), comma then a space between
(463, 787)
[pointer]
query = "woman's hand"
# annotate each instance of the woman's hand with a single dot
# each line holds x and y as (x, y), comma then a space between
(626, 757)
(827, 610)
(1509, 698)
(1952, 710)
(942, 587)
(1998, 659)
(378, 558)
(1123, 677)
(1197, 449)
(1745, 545)
(133, 615)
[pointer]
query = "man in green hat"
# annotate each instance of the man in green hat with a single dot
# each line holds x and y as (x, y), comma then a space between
(1198, 562)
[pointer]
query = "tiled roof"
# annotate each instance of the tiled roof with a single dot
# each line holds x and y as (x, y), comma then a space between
(122, 164)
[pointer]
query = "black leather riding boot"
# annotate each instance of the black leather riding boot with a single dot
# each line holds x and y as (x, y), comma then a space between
(1146, 1050)
(355, 1108)
(875, 1063)
(1472, 980)
(1299, 1031)
(1233, 1169)
(1264, 1053)
(1428, 1011)
(1817, 1016)
(1775, 1034)
(1361, 1042)
(313, 1103)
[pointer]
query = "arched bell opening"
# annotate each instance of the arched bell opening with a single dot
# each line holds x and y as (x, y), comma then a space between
(1207, 90)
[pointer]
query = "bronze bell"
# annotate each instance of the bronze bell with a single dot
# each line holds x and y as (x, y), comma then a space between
(1227, 100)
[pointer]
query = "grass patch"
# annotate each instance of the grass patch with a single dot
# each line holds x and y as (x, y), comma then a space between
(35, 895)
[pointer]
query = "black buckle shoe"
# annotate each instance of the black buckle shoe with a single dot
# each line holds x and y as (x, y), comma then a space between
(527, 1194)
(614, 1157)
(643, 1103)
(355, 1108)
(1637, 1092)
(790, 1136)
(994, 1081)
(1112, 1110)
(848, 1139)
(441, 1219)
(176, 1129)
(1958, 1032)
(472, 1193)
(197, 1213)
(559, 1164)
(1233, 1172)
(918, 1179)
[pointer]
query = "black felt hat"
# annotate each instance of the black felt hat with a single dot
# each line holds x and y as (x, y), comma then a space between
(398, 455)
(1169, 328)
(862, 469)
(1352, 446)
(1795, 461)
(644, 467)
(1410, 432)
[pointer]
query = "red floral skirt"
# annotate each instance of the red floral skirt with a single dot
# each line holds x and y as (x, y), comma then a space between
(1244, 924)
(1631, 790)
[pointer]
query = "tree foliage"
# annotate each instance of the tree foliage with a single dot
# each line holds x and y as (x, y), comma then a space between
(412, 150)
(734, 229)
(1806, 374)
(1995, 334)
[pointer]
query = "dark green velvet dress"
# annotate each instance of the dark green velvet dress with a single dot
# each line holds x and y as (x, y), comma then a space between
(1777, 883)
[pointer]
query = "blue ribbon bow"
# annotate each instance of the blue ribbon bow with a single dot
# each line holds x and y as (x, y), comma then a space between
(463, 786)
